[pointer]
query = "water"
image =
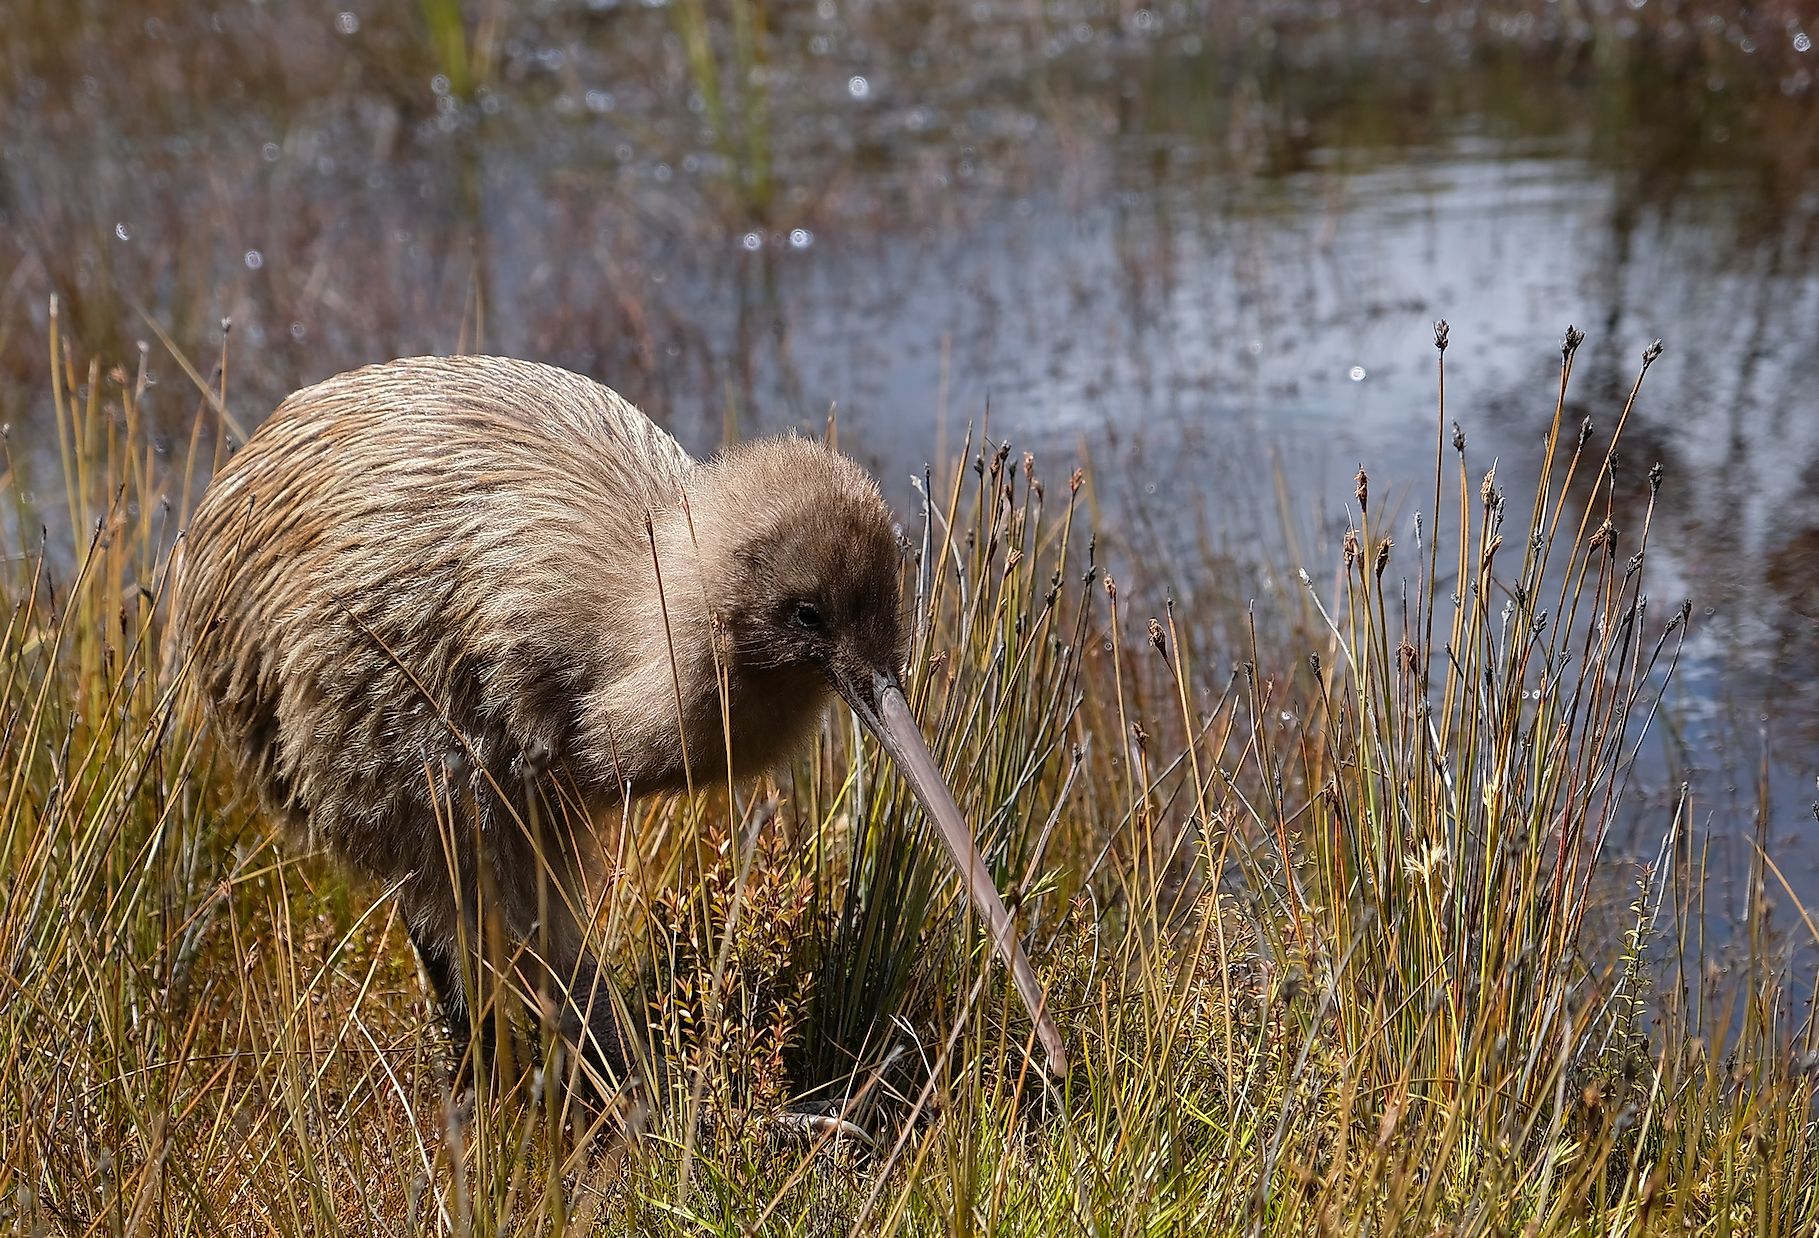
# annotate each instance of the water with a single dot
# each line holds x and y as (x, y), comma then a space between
(1200, 242)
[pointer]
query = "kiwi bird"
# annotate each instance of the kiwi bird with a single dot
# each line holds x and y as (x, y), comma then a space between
(427, 593)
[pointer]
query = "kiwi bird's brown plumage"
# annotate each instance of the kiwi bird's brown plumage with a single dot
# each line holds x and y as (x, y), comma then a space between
(502, 577)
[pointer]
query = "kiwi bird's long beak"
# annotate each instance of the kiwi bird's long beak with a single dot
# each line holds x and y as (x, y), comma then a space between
(877, 698)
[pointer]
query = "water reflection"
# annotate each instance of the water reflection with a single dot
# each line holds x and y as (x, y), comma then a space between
(1202, 237)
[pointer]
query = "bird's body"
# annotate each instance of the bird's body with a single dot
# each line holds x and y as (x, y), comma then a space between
(439, 588)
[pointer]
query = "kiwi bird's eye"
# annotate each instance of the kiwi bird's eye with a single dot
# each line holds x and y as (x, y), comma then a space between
(807, 615)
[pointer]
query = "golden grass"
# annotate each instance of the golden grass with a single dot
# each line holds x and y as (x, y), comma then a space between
(1336, 936)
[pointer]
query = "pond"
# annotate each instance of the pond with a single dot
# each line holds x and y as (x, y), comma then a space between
(1203, 243)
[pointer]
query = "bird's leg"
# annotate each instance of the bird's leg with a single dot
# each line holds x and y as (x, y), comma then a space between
(591, 1023)
(546, 913)
(442, 901)
(558, 967)
(436, 953)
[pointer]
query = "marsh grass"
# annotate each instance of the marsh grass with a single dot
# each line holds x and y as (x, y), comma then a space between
(1323, 892)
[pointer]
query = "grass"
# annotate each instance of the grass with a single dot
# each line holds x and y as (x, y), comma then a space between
(1322, 885)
